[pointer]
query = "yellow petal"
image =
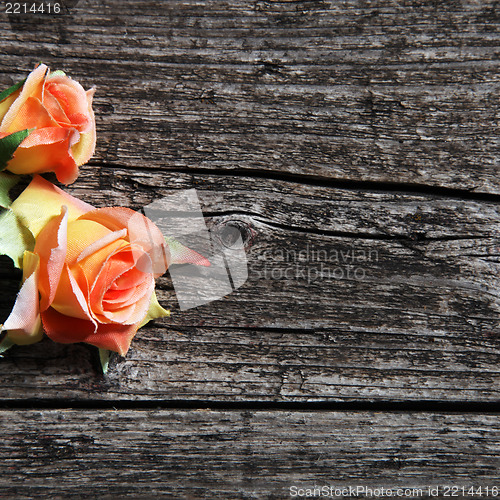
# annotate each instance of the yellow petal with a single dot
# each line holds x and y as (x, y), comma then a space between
(41, 201)
(70, 299)
(6, 103)
(84, 149)
(84, 235)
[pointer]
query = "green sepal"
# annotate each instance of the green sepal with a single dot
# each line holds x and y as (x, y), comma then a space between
(104, 356)
(14, 237)
(58, 72)
(7, 182)
(9, 144)
(5, 344)
(155, 311)
(11, 90)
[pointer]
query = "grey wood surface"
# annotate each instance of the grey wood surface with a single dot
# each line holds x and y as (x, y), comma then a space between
(245, 454)
(392, 91)
(407, 311)
(363, 131)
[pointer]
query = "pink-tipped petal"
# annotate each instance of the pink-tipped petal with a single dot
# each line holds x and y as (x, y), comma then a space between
(51, 245)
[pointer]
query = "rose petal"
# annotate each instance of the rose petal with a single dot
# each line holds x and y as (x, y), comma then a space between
(133, 308)
(83, 151)
(71, 299)
(52, 157)
(142, 232)
(41, 201)
(121, 316)
(101, 243)
(131, 314)
(116, 268)
(118, 296)
(32, 114)
(7, 103)
(33, 87)
(67, 330)
(72, 99)
(116, 265)
(50, 246)
(82, 234)
(49, 135)
(23, 323)
(54, 108)
(129, 279)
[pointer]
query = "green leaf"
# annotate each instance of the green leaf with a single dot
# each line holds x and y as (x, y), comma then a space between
(14, 237)
(7, 182)
(9, 144)
(5, 344)
(11, 90)
(104, 356)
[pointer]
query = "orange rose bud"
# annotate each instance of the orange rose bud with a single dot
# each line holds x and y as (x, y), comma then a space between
(58, 111)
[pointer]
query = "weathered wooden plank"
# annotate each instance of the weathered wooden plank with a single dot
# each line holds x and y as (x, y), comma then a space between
(418, 321)
(262, 107)
(378, 91)
(241, 454)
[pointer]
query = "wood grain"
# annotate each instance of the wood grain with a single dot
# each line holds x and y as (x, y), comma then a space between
(335, 127)
(247, 454)
(383, 91)
(419, 320)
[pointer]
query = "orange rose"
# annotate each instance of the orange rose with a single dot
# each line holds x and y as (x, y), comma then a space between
(90, 277)
(60, 112)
